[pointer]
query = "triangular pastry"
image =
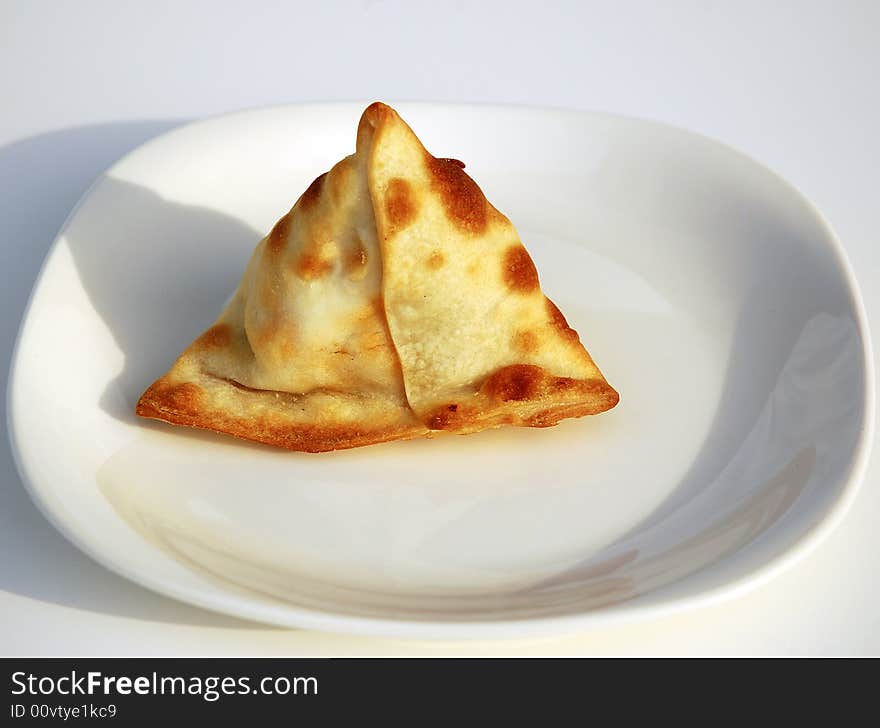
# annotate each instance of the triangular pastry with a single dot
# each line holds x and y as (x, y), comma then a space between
(393, 300)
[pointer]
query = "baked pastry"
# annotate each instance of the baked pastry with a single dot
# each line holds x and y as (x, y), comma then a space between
(393, 300)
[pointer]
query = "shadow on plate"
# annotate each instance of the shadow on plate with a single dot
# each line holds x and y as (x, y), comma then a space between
(42, 178)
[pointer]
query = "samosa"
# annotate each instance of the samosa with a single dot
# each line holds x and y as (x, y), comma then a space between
(392, 301)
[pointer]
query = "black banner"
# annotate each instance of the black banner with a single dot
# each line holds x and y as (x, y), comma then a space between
(135, 690)
(408, 691)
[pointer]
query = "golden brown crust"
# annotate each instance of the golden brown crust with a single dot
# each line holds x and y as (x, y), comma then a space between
(519, 272)
(310, 266)
(435, 260)
(466, 206)
(524, 396)
(187, 404)
(217, 337)
(519, 395)
(400, 204)
(514, 382)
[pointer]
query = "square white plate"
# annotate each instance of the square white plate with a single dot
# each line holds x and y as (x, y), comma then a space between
(713, 296)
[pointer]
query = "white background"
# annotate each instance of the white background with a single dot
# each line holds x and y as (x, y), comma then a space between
(794, 84)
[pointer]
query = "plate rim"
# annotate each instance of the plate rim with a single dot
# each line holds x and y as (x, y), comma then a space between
(290, 615)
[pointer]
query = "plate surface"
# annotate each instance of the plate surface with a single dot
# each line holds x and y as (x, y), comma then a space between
(713, 296)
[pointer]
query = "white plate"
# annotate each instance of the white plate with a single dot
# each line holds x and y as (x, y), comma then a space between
(713, 296)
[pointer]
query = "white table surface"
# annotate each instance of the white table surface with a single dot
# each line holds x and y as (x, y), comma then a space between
(793, 84)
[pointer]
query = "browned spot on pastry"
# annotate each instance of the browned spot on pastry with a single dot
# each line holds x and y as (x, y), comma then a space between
(400, 204)
(561, 384)
(435, 260)
(520, 273)
(218, 336)
(356, 263)
(184, 397)
(525, 342)
(310, 267)
(375, 112)
(358, 258)
(163, 397)
(278, 236)
(445, 417)
(559, 322)
(514, 382)
(312, 193)
(464, 201)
